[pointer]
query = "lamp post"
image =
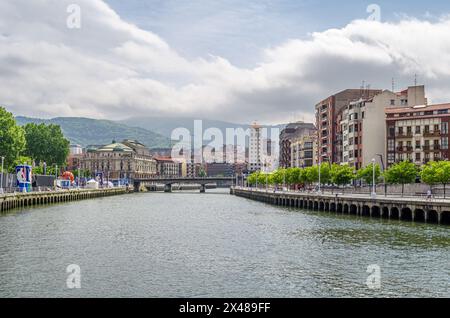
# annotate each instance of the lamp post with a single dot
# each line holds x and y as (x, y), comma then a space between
(374, 192)
(1, 180)
(384, 178)
(320, 164)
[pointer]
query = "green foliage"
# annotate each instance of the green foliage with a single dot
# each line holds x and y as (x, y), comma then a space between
(311, 175)
(366, 173)
(46, 143)
(436, 172)
(401, 173)
(341, 174)
(12, 139)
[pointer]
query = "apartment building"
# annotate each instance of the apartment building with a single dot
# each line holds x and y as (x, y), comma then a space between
(293, 131)
(304, 151)
(362, 132)
(419, 134)
(327, 124)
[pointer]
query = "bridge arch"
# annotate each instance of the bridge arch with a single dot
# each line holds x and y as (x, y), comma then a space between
(332, 207)
(432, 217)
(419, 215)
(376, 211)
(395, 214)
(339, 208)
(365, 210)
(385, 212)
(445, 217)
(353, 209)
(346, 209)
(321, 206)
(406, 214)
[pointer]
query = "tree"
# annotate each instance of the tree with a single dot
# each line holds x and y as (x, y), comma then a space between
(341, 174)
(401, 173)
(252, 178)
(436, 172)
(325, 173)
(366, 174)
(12, 138)
(46, 143)
(311, 175)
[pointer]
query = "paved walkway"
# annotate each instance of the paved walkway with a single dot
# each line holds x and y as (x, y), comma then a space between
(354, 195)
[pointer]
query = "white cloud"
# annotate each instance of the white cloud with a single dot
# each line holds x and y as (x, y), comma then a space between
(112, 69)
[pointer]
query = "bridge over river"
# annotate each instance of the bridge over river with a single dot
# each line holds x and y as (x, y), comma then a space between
(168, 182)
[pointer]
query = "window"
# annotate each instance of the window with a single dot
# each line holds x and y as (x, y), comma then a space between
(409, 130)
(417, 144)
(418, 156)
(443, 111)
(362, 114)
(436, 128)
(444, 128)
(427, 129)
(356, 116)
(392, 102)
(356, 127)
(391, 131)
(391, 145)
(391, 157)
(356, 141)
(444, 143)
(418, 130)
(350, 128)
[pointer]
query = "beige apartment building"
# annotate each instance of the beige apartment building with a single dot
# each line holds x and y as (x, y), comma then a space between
(362, 131)
(419, 134)
(304, 151)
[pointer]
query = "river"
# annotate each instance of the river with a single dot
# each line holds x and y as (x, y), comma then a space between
(188, 244)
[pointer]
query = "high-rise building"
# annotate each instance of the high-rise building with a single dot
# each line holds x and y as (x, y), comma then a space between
(362, 131)
(326, 120)
(292, 132)
(255, 151)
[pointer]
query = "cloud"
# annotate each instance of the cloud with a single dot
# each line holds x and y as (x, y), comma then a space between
(112, 69)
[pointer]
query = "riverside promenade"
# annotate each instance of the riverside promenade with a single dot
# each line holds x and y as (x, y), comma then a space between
(414, 209)
(19, 200)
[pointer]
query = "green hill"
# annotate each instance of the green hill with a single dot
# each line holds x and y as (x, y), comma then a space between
(86, 131)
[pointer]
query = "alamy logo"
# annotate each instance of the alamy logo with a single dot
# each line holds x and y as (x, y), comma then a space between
(374, 279)
(74, 19)
(74, 278)
(375, 12)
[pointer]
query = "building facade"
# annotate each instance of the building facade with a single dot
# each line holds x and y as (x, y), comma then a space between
(125, 160)
(362, 132)
(419, 134)
(304, 151)
(326, 120)
(260, 150)
(166, 167)
(292, 132)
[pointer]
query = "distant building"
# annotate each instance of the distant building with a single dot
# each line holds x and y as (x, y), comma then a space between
(260, 150)
(125, 160)
(166, 167)
(292, 132)
(75, 150)
(219, 170)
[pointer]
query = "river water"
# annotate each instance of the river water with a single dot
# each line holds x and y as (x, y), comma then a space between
(215, 245)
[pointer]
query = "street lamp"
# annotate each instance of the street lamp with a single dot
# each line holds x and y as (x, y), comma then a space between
(1, 180)
(384, 177)
(374, 192)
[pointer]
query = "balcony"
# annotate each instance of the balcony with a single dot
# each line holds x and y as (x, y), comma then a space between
(431, 147)
(436, 133)
(401, 135)
(405, 149)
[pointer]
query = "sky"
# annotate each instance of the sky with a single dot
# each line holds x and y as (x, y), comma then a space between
(233, 60)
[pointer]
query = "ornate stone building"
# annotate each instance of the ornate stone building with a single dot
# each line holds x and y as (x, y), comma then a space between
(126, 160)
